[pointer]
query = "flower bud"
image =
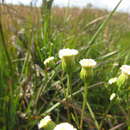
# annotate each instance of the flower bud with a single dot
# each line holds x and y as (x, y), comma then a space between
(46, 123)
(122, 80)
(68, 58)
(87, 68)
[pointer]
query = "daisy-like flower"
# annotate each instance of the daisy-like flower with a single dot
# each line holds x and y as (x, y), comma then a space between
(87, 68)
(125, 69)
(48, 60)
(124, 76)
(46, 123)
(112, 80)
(68, 58)
(64, 126)
(88, 63)
(67, 53)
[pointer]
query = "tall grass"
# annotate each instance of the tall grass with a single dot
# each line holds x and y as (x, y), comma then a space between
(29, 90)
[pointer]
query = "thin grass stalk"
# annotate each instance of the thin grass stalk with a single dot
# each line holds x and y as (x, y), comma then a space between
(93, 116)
(101, 27)
(4, 43)
(11, 103)
(105, 113)
(43, 87)
(24, 65)
(46, 22)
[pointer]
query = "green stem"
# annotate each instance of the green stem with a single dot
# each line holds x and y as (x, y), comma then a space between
(69, 87)
(68, 92)
(85, 93)
(85, 102)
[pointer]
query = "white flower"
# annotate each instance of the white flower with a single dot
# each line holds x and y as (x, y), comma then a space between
(125, 69)
(112, 80)
(44, 122)
(88, 63)
(64, 126)
(67, 53)
(113, 95)
(68, 58)
(48, 60)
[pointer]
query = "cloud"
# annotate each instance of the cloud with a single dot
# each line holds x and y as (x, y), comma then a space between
(71, 2)
(108, 4)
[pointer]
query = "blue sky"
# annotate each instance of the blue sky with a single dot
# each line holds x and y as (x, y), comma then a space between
(108, 4)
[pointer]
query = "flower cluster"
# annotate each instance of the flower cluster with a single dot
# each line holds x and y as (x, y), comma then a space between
(121, 81)
(68, 57)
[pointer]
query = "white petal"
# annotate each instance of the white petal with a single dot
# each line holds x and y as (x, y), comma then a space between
(67, 52)
(88, 63)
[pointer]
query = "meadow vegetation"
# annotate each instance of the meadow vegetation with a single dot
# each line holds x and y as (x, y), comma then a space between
(31, 88)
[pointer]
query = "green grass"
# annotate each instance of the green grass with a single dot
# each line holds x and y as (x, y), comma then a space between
(29, 90)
